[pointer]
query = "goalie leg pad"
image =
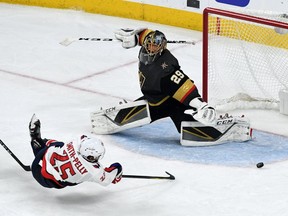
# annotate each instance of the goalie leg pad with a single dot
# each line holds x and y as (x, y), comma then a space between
(232, 129)
(118, 118)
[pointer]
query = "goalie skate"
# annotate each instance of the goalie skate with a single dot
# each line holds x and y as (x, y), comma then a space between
(118, 118)
(226, 129)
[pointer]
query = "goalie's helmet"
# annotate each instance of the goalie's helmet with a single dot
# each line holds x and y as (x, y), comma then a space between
(91, 149)
(154, 44)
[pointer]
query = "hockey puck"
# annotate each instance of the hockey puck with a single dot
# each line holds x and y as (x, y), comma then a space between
(260, 165)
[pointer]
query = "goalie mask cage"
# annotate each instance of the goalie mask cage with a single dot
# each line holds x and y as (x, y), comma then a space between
(245, 57)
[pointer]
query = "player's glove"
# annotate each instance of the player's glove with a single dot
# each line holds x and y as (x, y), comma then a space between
(129, 37)
(204, 113)
(118, 167)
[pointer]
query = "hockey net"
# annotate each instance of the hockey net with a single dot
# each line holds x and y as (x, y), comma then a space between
(245, 58)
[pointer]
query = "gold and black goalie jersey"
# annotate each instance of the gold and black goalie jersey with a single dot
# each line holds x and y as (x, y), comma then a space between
(164, 79)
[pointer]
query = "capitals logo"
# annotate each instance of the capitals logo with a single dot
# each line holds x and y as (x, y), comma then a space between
(240, 3)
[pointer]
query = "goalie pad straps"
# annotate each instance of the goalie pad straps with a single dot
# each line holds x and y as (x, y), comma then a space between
(226, 130)
(118, 118)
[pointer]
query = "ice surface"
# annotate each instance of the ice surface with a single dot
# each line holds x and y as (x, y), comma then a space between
(62, 85)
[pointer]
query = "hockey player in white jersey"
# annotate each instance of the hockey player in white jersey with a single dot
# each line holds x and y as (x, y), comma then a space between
(58, 164)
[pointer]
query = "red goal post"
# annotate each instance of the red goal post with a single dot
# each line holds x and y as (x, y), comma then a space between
(245, 56)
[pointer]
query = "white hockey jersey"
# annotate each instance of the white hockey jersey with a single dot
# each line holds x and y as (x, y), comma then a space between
(67, 165)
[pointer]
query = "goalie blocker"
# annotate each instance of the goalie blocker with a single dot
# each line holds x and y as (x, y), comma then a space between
(134, 114)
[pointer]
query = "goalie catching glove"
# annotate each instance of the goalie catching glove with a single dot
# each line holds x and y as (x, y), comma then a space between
(204, 113)
(129, 37)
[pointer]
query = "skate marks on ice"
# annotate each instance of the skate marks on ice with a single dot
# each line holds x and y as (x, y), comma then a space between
(160, 139)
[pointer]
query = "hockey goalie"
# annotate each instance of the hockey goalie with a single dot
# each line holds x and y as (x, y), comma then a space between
(167, 92)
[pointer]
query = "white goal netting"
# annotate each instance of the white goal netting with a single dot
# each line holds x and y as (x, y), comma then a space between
(246, 58)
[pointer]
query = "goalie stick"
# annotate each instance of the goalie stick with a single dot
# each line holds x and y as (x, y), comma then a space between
(68, 41)
(28, 168)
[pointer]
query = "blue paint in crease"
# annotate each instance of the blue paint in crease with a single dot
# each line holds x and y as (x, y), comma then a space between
(160, 139)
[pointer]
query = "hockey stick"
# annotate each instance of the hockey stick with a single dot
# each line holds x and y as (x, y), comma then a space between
(25, 167)
(68, 41)
(170, 177)
(28, 168)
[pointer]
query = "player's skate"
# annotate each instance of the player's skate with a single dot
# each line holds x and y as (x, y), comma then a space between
(35, 134)
(226, 129)
(34, 127)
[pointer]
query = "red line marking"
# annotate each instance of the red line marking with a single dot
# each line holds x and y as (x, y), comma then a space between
(103, 71)
(67, 84)
(60, 84)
